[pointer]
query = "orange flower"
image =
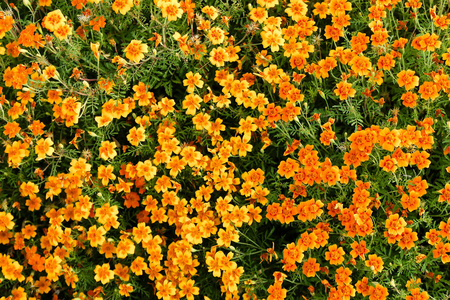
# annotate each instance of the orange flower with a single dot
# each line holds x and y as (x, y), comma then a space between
(258, 14)
(428, 90)
(417, 295)
(36, 127)
(407, 239)
(407, 79)
(16, 152)
(63, 31)
(361, 65)
(426, 42)
(136, 135)
(125, 247)
(379, 38)
(386, 62)
(34, 203)
(388, 164)
(335, 255)
(138, 266)
(292, 254)
(389, 139)
(321, 9)
(106, 174)
(103, 273)
(106, 150)
(135, 50)
(409, 99)
(395, 224)
(359, 249)
(332, 32)
(411, 202)
(296, 10)
(192, 81)
(445, 194)
(96, 236)
(288, 168)
(359, 42)
(171, 10)
(310, 267)
(401, 157)
(375, 263)
(218, 56)
(216, 35)
(6, 221)
(338, 7)
(441, 251)
(272, 38)
(378, 292)
(122, 6)
(330, 175)
(433, 237)
(362, 286)
(342, 276)
(201, 121)
(125, 289)
(11, 129)
(344, 90)
(420, 158)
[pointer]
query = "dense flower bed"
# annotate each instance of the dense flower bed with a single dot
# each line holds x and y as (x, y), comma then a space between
(224, 149)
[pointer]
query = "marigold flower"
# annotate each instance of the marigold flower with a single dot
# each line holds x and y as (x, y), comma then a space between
(378, 292)
(409, 99)
(296, 9)
(310, 267)
(44, 148)
(375, 263)
(361, 65)
(96, 236)
(407, 79)
(344, 90)
(359, 249)
(407, 239)
(135, 50)
(333, 32)
(103, 273)
(321, 9)
(335, 255)
(363, 287)
(272, 38)
(6, 221)
(420, 159)
(63, 31)
(106, 174)
(122, 6)
(171, 10)
(136, 135)
(428, 90)
(388, 164)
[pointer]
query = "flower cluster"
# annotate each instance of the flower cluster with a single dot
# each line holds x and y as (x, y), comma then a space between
(256, 149)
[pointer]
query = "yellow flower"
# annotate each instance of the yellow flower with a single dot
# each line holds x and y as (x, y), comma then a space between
(171, 10)
(135, 51)
(43, 148)
(103, 273)
(122, 5)
(94, 48)
(272, 38)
